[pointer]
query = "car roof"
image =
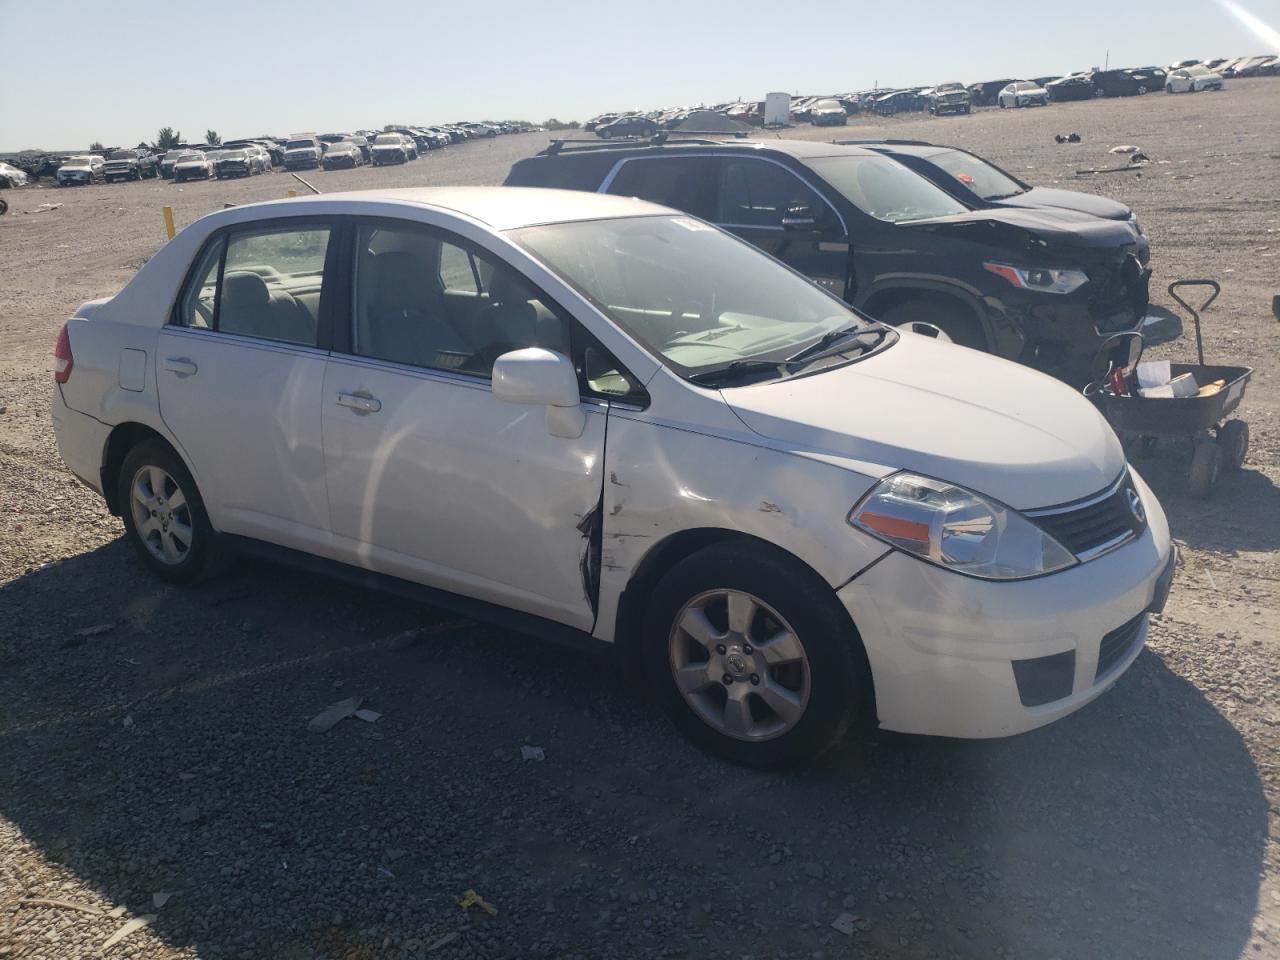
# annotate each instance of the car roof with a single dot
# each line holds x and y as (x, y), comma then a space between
(799, 149)
(502, 208)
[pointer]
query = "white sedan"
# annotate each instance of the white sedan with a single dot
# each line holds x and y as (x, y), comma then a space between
(1023, 93)
(81, 170)
(1192, 80)
(598, 420)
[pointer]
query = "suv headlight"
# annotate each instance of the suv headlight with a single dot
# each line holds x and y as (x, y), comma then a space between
(1042, 279)
(957, 529)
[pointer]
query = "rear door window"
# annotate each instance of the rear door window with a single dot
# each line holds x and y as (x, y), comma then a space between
(685, 183)
(758, 193)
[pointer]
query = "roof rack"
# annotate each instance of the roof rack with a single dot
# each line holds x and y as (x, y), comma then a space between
(616, 143)
(884, 140)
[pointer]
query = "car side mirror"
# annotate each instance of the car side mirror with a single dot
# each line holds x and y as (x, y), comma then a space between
(542, 378)
(799, 218)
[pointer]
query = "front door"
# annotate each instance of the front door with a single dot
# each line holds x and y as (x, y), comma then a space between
(430, 476)
(769, 205)
(240, 370)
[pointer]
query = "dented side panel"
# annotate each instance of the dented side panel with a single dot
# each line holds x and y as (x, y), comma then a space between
(661, 479)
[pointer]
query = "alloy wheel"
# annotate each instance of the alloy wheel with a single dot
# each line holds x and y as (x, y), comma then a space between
(161, 515)
(739, 665)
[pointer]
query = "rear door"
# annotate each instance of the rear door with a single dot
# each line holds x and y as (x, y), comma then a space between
(240, 370)
(769, 205)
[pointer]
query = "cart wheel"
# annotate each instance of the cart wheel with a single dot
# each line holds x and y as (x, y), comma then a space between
(1206, 464)
(1233, 437)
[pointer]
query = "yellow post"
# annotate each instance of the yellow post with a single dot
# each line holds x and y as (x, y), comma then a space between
(293, 193)
(168, 222)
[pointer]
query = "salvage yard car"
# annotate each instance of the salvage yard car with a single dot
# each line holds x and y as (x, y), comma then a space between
(391, 148)
(1023, 93)
(1050, 289)
(949, 98)
(192, 165)
(1192, 80)
(302, 153)
(977, 183)
(342, 155)
(828, 113)
(131, 164)
(81, 170)
(801, 518)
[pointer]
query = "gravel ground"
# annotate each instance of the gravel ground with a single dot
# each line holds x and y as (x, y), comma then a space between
(155, 761)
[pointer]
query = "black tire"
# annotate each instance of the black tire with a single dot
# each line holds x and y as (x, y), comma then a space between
(1233, 437)
(1206, 465)
(1142, 89)
(204, 551)
(4, 206)
(606, 134)
(957, 323)
(839, 678)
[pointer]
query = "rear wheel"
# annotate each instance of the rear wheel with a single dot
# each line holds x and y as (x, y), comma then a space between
(1142, 89)
(164, 515)
(752, 655)
(1233, 438)
(960, 326)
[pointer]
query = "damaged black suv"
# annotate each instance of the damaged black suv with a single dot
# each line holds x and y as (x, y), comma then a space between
(1048, 288)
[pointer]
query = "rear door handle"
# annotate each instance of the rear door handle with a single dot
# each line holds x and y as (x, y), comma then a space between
(360, 402)
(181, 366)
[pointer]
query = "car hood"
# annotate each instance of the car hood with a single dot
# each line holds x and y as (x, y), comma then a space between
(1069, 200)
(1054, 225)
(949, 412)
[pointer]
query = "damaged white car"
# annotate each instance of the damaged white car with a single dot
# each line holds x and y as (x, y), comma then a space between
(81, 170)
(600, 421)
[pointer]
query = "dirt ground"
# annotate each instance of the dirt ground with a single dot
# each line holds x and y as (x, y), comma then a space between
(153, 741)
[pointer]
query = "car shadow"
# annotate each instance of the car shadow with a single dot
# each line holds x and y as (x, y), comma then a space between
(155, 741)
(1241, 514)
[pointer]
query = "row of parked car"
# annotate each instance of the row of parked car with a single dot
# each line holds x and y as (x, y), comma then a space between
(252, 156)
(954, 98)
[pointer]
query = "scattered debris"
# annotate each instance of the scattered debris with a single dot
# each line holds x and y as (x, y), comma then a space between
(64, 904)
(116, 913)
(532, 753)
(158, 900)
(845, 923)
(368, 716)
(137, 923)
(470, 898)
(1124, 169)
(96, 630)
(1124, 148)
(444, 941)
(1066, 138)
(333, 714)
(44, 208)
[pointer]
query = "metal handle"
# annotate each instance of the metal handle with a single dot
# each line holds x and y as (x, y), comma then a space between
(1195, 313)
(181, 366)
(360, 402)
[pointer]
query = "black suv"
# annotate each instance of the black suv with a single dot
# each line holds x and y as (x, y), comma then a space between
(1128, 83)
(1047, 288)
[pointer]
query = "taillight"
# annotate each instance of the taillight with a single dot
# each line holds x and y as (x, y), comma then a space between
(62, 359)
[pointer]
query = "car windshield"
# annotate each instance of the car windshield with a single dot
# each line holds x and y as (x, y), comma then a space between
(1195, 71)
(948, 87)
(299, 144)
(190, 156)
(233, 154)
(827, 105)
(79, 161)
(885, 189)
(976, 174)
(122, 155)
(697, 297)
(388, 139)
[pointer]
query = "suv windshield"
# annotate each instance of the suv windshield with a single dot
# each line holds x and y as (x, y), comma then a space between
(299, 144)
(123, 155)
(978, 175)
(388, 139)
(885, 189)
(693, 295)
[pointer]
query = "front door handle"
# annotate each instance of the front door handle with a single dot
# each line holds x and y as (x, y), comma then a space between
(360, 402)
(181, 366)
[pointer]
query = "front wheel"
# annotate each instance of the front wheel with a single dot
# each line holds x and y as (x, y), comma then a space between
(164, 515)
(1142, 89)
(752, 655)
(920, 316)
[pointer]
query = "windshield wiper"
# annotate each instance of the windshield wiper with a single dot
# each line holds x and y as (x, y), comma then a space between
(825, 345)
(736, 367)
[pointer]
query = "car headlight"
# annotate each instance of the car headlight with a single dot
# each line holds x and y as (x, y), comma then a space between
(956, 528)
(1042, 279)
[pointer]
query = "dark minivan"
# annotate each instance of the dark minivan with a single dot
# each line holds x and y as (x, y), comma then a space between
(1049, 288)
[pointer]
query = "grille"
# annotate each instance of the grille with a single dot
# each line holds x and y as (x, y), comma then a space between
(1101, 521)
(1120, 294)
(1116, 644)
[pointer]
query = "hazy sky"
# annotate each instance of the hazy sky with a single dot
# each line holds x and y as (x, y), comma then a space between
(75, 71)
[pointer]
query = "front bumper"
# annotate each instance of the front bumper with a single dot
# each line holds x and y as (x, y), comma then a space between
(942, 646)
